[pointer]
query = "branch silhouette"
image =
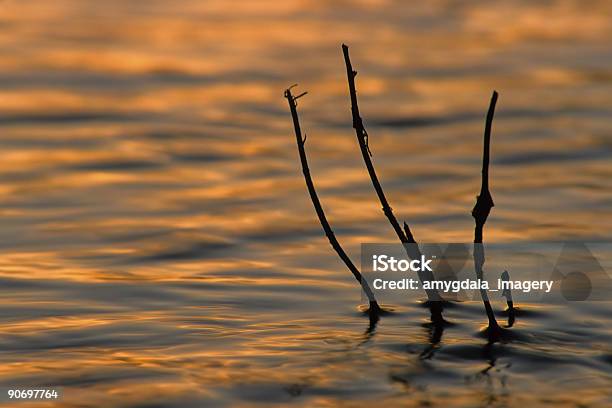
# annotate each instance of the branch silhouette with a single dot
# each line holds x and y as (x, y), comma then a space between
(362, 137)
(481, 211)
(405, 236)
(301, 141)
(507, 293)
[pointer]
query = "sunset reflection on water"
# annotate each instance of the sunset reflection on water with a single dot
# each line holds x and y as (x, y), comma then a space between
(159, 246)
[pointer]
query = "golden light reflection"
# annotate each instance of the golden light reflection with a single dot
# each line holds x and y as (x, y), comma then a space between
(158, 242)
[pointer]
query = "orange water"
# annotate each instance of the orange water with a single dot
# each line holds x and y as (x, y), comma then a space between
(158, 244)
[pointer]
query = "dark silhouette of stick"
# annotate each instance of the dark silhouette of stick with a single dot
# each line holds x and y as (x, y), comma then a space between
(507, 293)
(405, 236)
(362, 137)
(481, 211)
(301, 141)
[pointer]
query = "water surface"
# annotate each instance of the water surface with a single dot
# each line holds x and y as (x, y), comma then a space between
(158, 245)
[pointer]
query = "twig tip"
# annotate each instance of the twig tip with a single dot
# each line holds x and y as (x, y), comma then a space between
(288, 90)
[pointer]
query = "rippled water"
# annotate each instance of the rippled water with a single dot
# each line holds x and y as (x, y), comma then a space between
(159, 248)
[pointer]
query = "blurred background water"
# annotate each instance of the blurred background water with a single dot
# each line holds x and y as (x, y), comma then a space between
(158, 245)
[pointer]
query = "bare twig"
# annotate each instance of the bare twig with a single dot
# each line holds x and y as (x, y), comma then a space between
(362, 137)
(481, 211)
(405, 236)
(374, 307)
(507, 293)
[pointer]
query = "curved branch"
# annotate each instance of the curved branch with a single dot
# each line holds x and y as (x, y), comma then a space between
(374, 307)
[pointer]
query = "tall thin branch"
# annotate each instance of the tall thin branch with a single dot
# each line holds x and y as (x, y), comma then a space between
(301, 141)
(362, 137)
(481, 211)
(405, 236)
